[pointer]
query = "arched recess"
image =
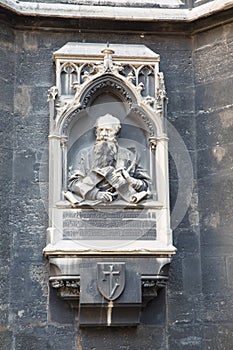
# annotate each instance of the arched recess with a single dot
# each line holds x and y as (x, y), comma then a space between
(108, 94)
(103, 87)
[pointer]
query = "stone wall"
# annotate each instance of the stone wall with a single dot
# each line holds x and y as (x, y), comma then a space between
(7, 69)
(195, 312)
(214, 124)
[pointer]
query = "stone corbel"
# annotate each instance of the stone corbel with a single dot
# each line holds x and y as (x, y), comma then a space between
(151, 286)
(153, 142)
(68, 287)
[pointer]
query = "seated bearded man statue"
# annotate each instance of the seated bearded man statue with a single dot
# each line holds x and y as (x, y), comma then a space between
(107, 171)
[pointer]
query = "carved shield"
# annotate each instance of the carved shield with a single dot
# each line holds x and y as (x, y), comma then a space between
(111, 279)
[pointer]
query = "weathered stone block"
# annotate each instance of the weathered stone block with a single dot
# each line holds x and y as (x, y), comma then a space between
(186, 337)
(6, 128)
(142, 337)
(214, 129)
(175, 283)
(205, 92)
(6, 339)
(183, 126)
(215, 198)
(217, 308)
(32, 340)
(149, 316)
(192, 274)
(214, 275)
(217, 159)
(183, 308)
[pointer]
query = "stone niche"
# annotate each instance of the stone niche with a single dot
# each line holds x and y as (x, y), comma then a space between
(109, 239)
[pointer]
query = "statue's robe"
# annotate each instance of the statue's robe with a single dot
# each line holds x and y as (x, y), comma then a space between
(85, 181)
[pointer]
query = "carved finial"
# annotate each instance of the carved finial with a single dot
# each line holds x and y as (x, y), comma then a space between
(149, 100)
(76, 85)
(52, 93)
(130, 77)
(108, 65)
(140, 87)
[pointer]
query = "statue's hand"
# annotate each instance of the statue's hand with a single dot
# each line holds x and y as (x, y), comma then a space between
(104, 196)
(117, 179)
(126, 175)
(131, 180)
(135, 183)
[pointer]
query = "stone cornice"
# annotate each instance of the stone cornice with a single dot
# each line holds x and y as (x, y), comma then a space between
(68, 10)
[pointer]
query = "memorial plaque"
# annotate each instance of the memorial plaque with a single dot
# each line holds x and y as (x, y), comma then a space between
(110, 235)
(109, 225)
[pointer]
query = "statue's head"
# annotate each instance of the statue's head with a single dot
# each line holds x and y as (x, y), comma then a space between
(107, 127)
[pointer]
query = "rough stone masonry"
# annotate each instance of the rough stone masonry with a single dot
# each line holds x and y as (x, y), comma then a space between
(195, 46)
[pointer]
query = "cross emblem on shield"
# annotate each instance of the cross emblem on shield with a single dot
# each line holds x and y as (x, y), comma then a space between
(111, 279)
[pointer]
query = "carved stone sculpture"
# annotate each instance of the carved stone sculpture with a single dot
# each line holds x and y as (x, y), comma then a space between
(105, 171)
(110, 244)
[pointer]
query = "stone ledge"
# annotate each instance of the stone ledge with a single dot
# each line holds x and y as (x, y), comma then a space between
(123, 13)
(114, 247)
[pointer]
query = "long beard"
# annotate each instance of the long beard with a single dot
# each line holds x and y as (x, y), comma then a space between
(105, 154)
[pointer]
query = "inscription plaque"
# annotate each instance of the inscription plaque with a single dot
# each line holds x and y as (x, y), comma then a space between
(108, 225)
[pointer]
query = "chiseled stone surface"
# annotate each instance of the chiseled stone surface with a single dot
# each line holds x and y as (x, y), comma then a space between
(133, 3)
(158, 10)
(6, 156)
(195, 312)
(214, 125)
